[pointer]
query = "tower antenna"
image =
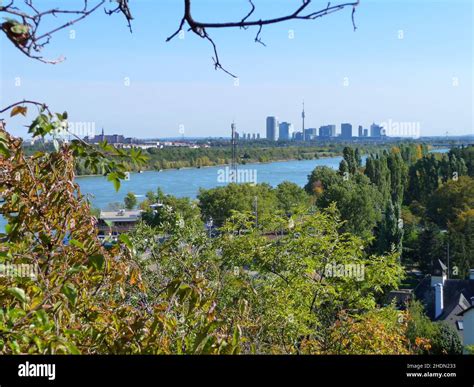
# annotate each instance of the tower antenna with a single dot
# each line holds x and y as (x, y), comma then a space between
(303, 115)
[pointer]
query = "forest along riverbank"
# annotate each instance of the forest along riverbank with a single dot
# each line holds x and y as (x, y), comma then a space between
(187, 182)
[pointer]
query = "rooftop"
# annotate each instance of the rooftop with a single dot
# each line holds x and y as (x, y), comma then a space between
(120, 215)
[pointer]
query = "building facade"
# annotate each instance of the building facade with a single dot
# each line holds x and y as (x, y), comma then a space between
(346, 131)
(285, 131)
(327, 131)
(272, 125)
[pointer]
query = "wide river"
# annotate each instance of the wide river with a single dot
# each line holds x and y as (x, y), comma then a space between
(187, 182)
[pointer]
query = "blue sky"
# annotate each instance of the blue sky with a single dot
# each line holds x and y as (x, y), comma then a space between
(174, 85)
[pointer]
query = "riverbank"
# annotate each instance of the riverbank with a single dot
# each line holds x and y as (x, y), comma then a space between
(323, 156)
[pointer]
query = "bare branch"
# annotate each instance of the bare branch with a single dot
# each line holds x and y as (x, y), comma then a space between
(26, 102)
(23, 25)
(200, 28)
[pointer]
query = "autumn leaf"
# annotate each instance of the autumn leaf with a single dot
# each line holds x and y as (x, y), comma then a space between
(19, 110)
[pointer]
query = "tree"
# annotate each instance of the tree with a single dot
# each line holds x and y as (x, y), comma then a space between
(423, 179)
(359, 202)
(421, 331)
(343, 168)
(130, 201)
(461, 238)
(380, 331)
(358, 158)
(321, 179)
(77, 296)
(290, 197)
(446, 341)
(389, 233)
(296, 285)
(398, 176)
(349, 157)
(219, 203)
(379, 174)
(431, 247)
(449, 200)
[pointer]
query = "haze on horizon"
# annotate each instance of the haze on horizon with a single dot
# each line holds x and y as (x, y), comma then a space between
(408, 61)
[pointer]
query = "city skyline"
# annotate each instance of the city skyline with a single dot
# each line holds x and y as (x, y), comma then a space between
(400, 65)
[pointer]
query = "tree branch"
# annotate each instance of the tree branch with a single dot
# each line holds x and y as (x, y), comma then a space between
(200, 28)
(22, 26)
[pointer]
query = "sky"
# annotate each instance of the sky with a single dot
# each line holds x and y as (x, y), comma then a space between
(407, 62)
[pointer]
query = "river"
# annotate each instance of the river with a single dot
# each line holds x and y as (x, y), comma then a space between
(187, 182)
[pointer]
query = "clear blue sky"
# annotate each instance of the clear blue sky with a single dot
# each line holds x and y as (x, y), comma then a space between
(173, 84)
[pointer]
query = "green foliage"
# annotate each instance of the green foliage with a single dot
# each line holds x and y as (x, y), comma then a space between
(219, 203)
(423, 179)
(358, 201)
(276, 290)
(450, 200)
(420, 327)
(290, 197)
(320, 179)
(81, 298)
(446, 341)
(130, 201)
(389, 233)
(461, 238)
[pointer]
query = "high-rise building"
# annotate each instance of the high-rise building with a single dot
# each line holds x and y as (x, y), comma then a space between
(298, 136)
(361, 131)
(346, 131)
(366, 132)
(258, 136)
(272, 124)
(285, 131)
(327, 131)
(310, 134)
(375, 130)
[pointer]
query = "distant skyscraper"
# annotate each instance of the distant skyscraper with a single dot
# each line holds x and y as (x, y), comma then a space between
(327, 131)
(375, 130)
(361, 131)
(285, 131)
(298, 136)
(346, 131)
(310, 134)
(272, 124)
(366, 132)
